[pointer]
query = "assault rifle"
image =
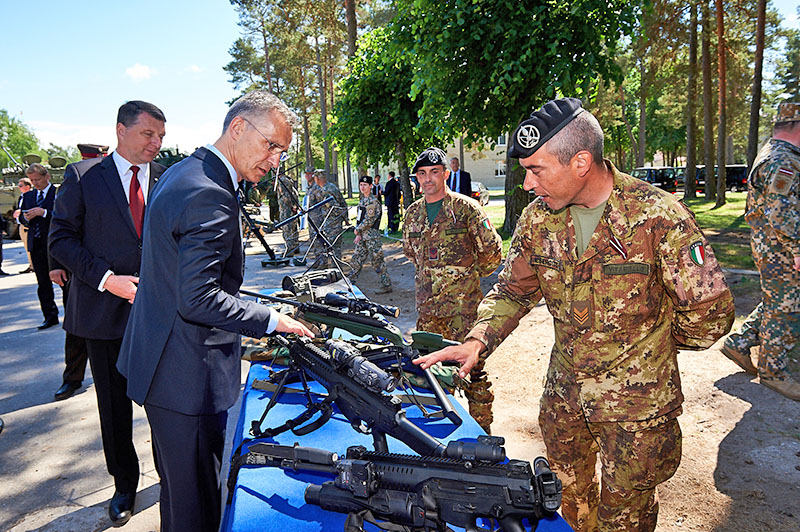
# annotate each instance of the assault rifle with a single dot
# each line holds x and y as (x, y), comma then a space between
(365, 318)
(415, 492)
(359, 389)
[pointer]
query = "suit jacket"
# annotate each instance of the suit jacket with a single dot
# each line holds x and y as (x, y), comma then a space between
(181, 350)
(42, 222)
(392, 193)
(464, 186)
(92, 232)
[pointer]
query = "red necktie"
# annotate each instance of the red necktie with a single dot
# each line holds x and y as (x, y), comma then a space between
(136, 201)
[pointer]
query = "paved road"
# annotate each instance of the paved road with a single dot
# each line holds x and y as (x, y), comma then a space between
(52, 471)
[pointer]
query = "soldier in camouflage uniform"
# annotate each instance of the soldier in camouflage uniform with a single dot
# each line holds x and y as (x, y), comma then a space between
(773, 212)
(368, 237)
(332, 224)
(452, 244)
(629, 278)
(287, 203)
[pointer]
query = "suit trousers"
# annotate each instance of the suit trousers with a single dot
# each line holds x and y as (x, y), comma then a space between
(393, 214)
(41, 266)
(75, 356)
(23, 235)
(189, 450)
(116, 413)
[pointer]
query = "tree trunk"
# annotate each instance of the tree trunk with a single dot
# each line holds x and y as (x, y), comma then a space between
(516, 197)
(352, 26)
(627, 122)
(640, 152)
(324, 111)
(405, 180)
(755, 104)
(267, 73)
(689, 175)
(708, 120)
(349, 177)
(721, 138)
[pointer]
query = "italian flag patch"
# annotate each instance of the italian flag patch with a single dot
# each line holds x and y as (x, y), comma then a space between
(698, 253)
(486, 223)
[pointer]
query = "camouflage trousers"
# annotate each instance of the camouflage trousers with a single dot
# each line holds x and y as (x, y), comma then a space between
(370, 244)
(330, 231)
(478, 390)
(635, 457)
(291, 235)
(777, 335)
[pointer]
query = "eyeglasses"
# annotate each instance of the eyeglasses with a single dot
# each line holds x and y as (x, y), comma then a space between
(273, 147)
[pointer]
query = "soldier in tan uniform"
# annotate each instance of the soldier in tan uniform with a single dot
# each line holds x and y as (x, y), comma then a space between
(629, 278)
(329, 217)
(773, 212)
(287, 205)
(368, 237)
(452, 244)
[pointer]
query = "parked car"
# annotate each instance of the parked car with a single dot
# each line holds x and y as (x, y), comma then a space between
(662, 177)
(736, 177)
(480, 193)
(680, 174)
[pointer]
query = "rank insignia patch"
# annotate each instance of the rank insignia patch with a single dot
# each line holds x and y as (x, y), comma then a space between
(698, 253)
(433, 253)
(782, 182)
(581, 315)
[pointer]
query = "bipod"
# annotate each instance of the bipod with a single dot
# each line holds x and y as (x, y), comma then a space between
(254, 227)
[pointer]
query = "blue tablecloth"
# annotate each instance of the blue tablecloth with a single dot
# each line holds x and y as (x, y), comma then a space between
(267, 499)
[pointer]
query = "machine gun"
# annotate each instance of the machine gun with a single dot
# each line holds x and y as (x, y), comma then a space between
(416, 492)
(366, 318)
(358, 388)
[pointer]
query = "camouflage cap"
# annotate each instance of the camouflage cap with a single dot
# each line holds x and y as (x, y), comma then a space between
(788, 112)
(532, 133)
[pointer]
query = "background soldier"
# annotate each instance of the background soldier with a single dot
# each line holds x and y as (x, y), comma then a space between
(332, 224)
(287, 202)
(452, 244)
(628, 277)
(368, 237)
(773, 212)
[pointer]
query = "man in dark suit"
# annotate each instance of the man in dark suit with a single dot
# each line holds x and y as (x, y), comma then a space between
(392, 194)
(36, 214)
(182, 348)
(96, 235)
(459, 180)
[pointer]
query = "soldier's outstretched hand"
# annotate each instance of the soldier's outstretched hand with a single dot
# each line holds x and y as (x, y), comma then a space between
(291, 325)
(465, 354)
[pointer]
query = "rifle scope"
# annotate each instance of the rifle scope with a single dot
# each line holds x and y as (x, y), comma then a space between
(359, 368)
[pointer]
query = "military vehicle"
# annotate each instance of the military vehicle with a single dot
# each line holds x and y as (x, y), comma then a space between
(169, 156)
(9, 191)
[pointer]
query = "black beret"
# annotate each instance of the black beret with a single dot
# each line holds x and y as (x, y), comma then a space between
(430, 157)
(365, 179)
(532, 133)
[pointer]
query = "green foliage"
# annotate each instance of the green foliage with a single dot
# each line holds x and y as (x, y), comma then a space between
(374, 111)
(70, 153)
(787, 76)
(16, 137)
(484, 65)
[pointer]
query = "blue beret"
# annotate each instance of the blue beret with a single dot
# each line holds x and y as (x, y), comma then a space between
(430, 157)
(532, 133)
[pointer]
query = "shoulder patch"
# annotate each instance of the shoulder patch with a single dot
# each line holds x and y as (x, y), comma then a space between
(697, 252)
(782, 181)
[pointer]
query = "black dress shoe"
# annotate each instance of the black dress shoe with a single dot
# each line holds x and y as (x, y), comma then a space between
(67, 390)
(46, 324)
(121, 507)
(1, 424)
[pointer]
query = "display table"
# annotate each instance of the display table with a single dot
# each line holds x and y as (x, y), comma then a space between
(267, 499)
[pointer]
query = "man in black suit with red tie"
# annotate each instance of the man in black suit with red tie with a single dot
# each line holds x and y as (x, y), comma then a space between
(96, 234)
(36, 213)
(459, 180)
(182, 349)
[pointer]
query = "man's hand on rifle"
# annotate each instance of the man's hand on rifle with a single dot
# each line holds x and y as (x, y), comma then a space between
(465, 354)
(290, 325)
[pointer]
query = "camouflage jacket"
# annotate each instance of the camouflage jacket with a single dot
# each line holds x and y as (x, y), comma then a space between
(287, 192)
(647, 284)
(319, 193)
(451, 255)
(369, 212)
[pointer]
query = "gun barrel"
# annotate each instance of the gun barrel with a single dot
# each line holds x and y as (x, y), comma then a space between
(271, 298)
